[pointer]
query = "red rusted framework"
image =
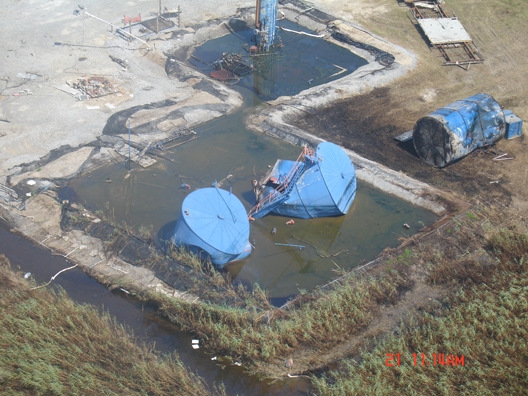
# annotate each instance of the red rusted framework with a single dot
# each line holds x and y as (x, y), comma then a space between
(307, 154)
(463, 53)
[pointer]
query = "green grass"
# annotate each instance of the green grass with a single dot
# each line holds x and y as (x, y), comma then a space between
(53, 346)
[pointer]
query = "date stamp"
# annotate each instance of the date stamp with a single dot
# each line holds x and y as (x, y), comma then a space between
(421, 359)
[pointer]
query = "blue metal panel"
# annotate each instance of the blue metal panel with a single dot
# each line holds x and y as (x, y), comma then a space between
(513, 125)
(457, 129)
(215, 221)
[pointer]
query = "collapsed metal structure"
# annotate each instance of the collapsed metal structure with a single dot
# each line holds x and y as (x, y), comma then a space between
(321, 183)
(459, 128)
(214, 222)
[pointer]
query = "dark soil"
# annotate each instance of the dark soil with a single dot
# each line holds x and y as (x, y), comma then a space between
(367, 124)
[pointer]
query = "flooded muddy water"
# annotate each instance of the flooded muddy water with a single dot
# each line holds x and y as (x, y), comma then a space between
(141, 319)
(150, 199)
(225, 151)
(303, 61)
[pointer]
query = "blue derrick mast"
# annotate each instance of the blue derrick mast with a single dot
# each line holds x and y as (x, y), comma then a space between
(265, 23)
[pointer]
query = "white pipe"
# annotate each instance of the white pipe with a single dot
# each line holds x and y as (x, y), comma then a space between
(306, 34)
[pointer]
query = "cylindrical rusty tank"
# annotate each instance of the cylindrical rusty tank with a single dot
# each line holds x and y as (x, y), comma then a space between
(455, 130)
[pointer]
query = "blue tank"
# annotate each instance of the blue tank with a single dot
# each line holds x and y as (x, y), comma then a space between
(455, 130)
(323, 185)
(214, 221)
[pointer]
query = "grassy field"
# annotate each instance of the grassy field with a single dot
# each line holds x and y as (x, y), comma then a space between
(53, 346)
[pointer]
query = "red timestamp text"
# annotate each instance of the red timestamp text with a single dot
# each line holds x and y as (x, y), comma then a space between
(421, 359)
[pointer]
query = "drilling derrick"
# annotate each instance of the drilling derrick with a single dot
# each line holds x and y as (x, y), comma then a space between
(265, 23)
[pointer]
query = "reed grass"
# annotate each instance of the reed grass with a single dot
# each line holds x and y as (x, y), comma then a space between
(319, 319)
(485, 321)
(53, 346)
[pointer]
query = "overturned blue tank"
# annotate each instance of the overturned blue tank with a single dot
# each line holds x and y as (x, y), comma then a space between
(320, 183)
(214, 221)
(455, 130)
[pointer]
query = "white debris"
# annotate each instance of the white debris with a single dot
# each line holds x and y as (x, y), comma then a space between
(195, 341)
(27, 275)
(31, 182)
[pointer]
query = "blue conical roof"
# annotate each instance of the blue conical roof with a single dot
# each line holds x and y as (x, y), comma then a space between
(218, 218)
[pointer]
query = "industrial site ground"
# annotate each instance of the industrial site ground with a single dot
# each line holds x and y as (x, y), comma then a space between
(457, 288)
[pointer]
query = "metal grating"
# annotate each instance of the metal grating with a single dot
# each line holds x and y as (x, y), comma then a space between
(446, 33)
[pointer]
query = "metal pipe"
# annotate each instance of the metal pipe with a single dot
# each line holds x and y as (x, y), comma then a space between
(287, 244)
(257, 15)
(117, 29)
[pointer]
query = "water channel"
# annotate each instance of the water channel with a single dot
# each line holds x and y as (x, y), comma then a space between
(141, 319)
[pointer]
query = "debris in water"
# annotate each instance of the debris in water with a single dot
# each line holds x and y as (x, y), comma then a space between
(27, 275)
(290, 222)
(185, 186)
(273, 231)
(301, 247)
(406, 226)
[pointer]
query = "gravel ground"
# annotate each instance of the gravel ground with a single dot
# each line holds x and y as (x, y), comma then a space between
(36, 117)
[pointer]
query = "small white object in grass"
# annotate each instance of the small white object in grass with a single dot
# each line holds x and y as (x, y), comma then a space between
(195, 341)
(27, 275)
(195, 346)
(214, 358)
(28, 194)
(31, 182)
(238, 364)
